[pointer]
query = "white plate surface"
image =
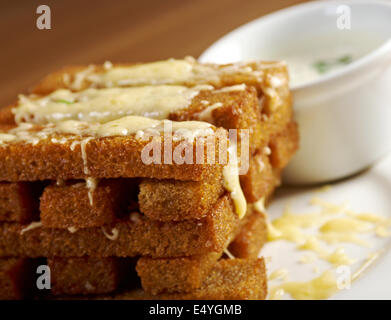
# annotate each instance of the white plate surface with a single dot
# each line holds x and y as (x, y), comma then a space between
(369, 191)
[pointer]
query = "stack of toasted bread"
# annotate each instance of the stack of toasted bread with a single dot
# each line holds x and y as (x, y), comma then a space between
(143, 181)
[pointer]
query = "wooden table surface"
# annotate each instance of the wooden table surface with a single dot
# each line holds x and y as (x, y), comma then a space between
(86, 32)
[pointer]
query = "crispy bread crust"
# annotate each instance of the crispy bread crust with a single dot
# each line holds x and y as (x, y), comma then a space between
(69, 205)
(229, 279)
(88, 275)
(137, 235)
(16, 278)
(185, 274)
(110, 157)
(19, 201)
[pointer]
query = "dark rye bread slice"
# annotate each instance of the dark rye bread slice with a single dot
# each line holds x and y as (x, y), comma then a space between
(270, 79)
(175, 200)
(68, 205)
(107, 157)
(19, 201)
(229, 279)
(17, 278)
(238, 109)
(73, 204)
(261, 178)
(264, 118)
(251, 237)
(136, 235)
(86, 275)
(171, 200)
(284, 145)
(243, 112)
(184, 274)
(165, 200)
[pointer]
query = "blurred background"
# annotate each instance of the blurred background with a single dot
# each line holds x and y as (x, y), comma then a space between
(86, 31)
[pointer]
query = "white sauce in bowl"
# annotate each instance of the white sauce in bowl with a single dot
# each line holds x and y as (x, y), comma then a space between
(311, 58)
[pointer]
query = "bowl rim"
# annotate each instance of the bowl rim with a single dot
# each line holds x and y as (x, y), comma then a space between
(307, 7)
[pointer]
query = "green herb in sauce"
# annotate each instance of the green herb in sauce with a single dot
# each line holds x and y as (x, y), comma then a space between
(63, 101)
(323, 66)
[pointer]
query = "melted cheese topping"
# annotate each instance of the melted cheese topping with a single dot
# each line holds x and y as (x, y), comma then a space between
(171, 71)
(276, 294)
(72, 229)
(91, 184)
(102, 105)
(339, 257)
(334, 224)
(125, 110)
(321, 287)
(382, 231)
(343, 237)
(5, 137)
(229, 254)
(259, 206)
(206, 114)
(237, 87)
(279, 274)
(312, 244)
(83, 145)
(31, 226)
(113, 236)
(345, 225)
(168, 71)
(331, 229)
(81, 133)
(232, 183)
(329, 208)
(89, 286)
(124, 126)
(290, 226)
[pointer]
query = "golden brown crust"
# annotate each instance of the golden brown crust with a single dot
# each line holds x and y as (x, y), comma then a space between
(171, 200)
(19, 201)
(239, 110)
(187, 192)
(164, 200)
(88, 275)
(56, 80)
(284, 145)
(260, 180)
(69, 205)
(176, 200)
(110, 157)
(251, 238)
(168, 275)
(137, 235)
(16, 278)
(229, 279)
(6, 115)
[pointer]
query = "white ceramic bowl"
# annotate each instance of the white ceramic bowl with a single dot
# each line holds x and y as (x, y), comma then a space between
(344, 116)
